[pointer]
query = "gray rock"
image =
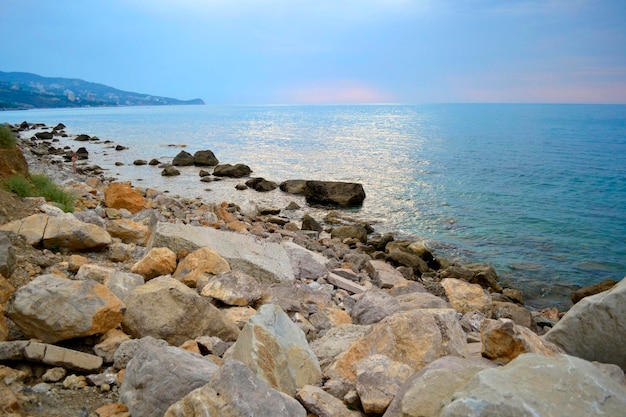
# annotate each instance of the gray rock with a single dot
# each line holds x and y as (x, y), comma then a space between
(298, 298)
(277, 351)
(383, 275)
(306, 264)
(595, 327)
(122, 284)
(205, 158)
(167, 309)
(378, 378)
(183, 159)
(343, 194)
(234, 391)
(125, 352)
(373, 306)
(309, 223)
(336, 341)
(158, 376)
(233, 288)
(424, 393)
(536, 385)
(261, 184)
(169, 171)
(266, 261)
(233, 171)
(7, 256)
(416, 300)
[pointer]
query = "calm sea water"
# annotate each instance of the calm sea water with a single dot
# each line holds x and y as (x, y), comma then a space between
(538, 191)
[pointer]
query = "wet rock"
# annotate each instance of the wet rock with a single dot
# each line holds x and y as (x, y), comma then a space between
(261, 184)
(592, 290)
(233, 171)
(342, 194)
(205, 158)
(170, 171)
(183, 159)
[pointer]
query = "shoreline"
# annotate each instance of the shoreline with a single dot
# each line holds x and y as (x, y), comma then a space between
(538, 294)
(306, 281)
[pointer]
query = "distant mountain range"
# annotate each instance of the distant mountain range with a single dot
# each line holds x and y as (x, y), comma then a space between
(23, 90)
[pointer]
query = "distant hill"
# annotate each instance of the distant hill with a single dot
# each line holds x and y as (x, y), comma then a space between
(23, 90)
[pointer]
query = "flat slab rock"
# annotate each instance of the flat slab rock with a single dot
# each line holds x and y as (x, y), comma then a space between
(50, 355)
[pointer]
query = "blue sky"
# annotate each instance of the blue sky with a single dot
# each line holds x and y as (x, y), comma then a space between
(327, 51)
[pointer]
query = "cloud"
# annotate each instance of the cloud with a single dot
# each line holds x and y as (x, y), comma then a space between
(335, 92)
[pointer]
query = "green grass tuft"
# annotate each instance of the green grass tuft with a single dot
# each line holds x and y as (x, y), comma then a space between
(7, 137)
(40, 186)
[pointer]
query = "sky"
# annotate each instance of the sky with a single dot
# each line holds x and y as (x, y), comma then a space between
(327, 51)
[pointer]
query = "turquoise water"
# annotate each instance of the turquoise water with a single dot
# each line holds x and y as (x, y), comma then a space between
(538, 191)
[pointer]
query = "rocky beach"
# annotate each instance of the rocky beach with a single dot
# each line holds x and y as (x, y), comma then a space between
(140, 303)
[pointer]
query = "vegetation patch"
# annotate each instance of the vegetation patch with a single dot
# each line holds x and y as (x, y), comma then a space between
(7, 137)
(38, 185)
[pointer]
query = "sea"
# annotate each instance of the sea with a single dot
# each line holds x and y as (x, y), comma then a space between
(536, 190)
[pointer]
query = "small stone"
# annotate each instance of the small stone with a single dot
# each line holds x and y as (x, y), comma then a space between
(54, 375)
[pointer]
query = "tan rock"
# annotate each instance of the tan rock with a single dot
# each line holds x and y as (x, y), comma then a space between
(59, 356)
(113, 410)
(4, 329)
(239, 315)
(53, 309)
(67, 232)
(75, 262)
(378, 378)
(465, 297)
(6, 289)
(128, 231)
(520, 315)
(191, 346)
(415, 338)
(31, 228)
(109, 343)
(156, 263)
(94, 272)
(503, 341)
(123, 196)
(199, 262)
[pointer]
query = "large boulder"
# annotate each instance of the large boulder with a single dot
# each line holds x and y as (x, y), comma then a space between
(373, 306)
(233, 288)
(234, 391)
(157, 376)
(466, 297)
(334, 193)
(54, 309)
(595, 327)
(205, 158)
(121, 195)
(503, 340)
(165, 308)
(537, 385)
(261, 184)
(233, 171)
(383, 275)
(266, 261)
(128, 231)
(378, 378)
(277, 351)
(60, 232)
(306, 264)
(183, 159)
(415, 338)
(424, 393)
